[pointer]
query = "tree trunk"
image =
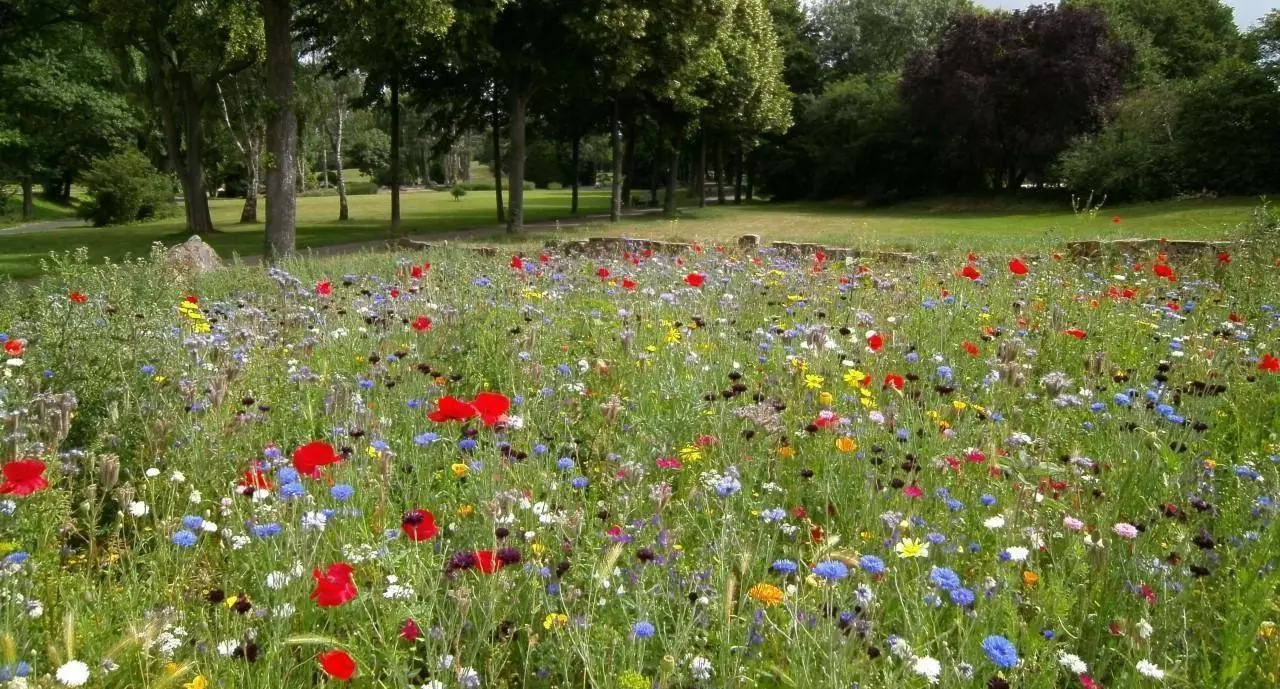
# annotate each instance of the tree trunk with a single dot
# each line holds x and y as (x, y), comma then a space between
(615, 188)
(324, 167)
(737, 178)
(197, 201)
(282, 131)
(28, 199)
(577, 170)
(673, 170)
(751, 178)
(701, 175)
(395, 155)
(629, 157)
(497, 167)
(250, 212)
(720, 172)
(344, 212)
(300, 179)
(64, 193)
(515, 199)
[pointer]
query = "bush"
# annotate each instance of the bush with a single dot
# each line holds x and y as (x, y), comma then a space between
(353, 189)
(125, 188)
(555, 186)
(477, 186)
(1133, 158)
(457, 191)
(1227, 131)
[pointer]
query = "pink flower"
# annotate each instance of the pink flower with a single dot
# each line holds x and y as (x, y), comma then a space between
(1072, 523)
(668, 463)
(1125, 530)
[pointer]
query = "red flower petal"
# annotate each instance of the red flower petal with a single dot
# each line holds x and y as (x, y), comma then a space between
(310, 457)
(419, 525)
(450, 408)
(1017, 267)
(492, 407)
(23, 477)
(1076, 333)
(694, 279)
(338, 665)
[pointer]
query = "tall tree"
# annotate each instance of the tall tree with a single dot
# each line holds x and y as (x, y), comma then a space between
(244, 111)
(282, 130)
(1175, 39)
(870, 36)
(188, 48)
(1006, 93)
(386, 41)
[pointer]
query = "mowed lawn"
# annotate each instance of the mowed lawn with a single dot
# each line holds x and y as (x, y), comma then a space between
(422, 213)
(942, 224)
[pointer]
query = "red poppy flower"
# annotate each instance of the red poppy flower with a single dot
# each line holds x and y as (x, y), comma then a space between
(254, 480)
(191, 299)
(310, 457)
(1234, 317)
(1164, 271)
(78, 297)
(971, 348)
(1076, 333)
(422, 324)
(450, 408)
(1224, 258)
(894, 381)
(395, 293)
(913, 491)
(602, 273)
(324, 288)
(875, 342)
(517, 262)
(487, 562)
(1017, 267)
(334, 586)
(820, 257)
(13, 347)
(628, 284)
(419, 525)
(694, 279)
(416, 272)
(23, 477)
(972, 257)
(1115, 219)
(338, 665)
(1269, 363)
(1087, 682)
(491, 406)
(971, 273)
(544, 258)
(410, 631)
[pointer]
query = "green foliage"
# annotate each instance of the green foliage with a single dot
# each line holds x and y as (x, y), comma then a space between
(1134, 156)
(457, 192)
(125, 188)
(1175, 39)
(870, 36)
(1227, 131)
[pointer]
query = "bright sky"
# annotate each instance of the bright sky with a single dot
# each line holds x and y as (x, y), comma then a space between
(1247, 11)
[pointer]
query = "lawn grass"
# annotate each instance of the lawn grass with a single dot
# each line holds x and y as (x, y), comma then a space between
(45, 210)
(423, 212)
(942, 224)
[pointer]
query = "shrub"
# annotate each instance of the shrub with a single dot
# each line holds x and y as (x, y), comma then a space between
(124, 188)
(555, 186)
(457, 191)
(1132, 157)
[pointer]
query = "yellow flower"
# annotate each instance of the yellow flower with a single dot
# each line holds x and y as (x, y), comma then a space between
(555, 620)
(786, 452)
(198, 682)
(767, 595)
(800, 365)
(459, 469)
(910, 547)
(854, 377)
(538, 548)
(202, 328)
(813, 381)
(1267, 630)
(1211, 464)
(959, 405)
(672, 336)
(826, 399)
(373, 453)
(691, 453)
(845, 444)
(171, 668)
(465, 510)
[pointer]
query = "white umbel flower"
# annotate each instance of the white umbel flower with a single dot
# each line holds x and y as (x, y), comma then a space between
(73, 674)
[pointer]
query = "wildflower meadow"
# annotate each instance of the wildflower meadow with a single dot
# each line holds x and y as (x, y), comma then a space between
(719, 469)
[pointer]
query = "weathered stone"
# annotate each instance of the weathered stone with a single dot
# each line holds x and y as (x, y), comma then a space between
(1139, 247)
(748, 242)
(192, 258)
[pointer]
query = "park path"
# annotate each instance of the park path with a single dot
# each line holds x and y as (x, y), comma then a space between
(456, 236)
(30, 227)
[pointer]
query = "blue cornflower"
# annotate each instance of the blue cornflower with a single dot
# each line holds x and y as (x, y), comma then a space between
(961, 596)
(540, 449)
(192, 522)
(1122, 399)
(643, 629)
(728, 486)
(466, 444)
(912, 357)
(148, 369)
(987, 499)
(776, 514)
(292, 490)
(564, 464)
(955, 505)
(1048, 634)
(1000, 651)
(579, 482)
(342, 491)
(287, 475)
(184, 538)
(366, 384)
(425, 438)
(1098, 406)
(784, 567)
(935, 538)
(831, 570)
(944, 578)
(265, 530)
(16, 558)
(871, 564)
(944, 372)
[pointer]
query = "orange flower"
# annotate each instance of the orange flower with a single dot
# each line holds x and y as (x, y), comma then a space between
(845, 444)
(767, 595)
(1030, 578)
